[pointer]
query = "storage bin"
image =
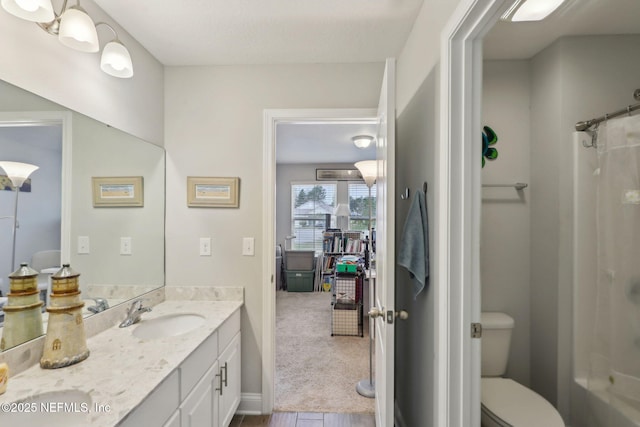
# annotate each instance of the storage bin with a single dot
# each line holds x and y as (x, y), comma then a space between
(346, 268)
(300, 281)
(299, 260)
(345, 320)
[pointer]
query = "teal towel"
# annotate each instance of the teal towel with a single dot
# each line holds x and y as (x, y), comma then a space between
(414, 244)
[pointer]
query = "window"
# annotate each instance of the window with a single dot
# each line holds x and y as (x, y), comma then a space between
(312, 206)
(359, 206)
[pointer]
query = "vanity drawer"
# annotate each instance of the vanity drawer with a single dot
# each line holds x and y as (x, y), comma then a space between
(156, 409)
(197, 363)
(228, 330)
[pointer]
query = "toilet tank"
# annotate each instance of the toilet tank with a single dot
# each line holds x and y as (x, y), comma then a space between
(496, 339)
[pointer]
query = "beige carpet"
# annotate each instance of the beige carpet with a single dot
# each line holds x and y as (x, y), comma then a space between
(316, 372)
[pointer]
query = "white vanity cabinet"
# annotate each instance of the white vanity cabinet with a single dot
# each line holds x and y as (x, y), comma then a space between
(204, 391)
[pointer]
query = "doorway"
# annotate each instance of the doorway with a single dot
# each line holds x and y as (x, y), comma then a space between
(272, 119)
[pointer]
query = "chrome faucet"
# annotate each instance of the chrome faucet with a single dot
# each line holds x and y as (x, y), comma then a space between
(135, 312)
(101, 305)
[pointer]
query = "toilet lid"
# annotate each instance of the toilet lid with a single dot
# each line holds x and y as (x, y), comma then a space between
(517, 405)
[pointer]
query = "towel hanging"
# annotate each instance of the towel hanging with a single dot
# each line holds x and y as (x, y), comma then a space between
(414, 244)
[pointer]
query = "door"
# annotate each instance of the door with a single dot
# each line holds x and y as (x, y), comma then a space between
(385, 251)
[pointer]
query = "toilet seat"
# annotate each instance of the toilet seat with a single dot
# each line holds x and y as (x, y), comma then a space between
(508, 403)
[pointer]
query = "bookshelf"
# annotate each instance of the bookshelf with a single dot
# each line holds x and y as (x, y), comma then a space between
(336, 244)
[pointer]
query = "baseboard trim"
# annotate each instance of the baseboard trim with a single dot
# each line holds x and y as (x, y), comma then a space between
(250, 404)
(398, 419)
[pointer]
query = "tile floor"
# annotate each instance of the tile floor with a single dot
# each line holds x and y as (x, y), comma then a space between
(304, 419)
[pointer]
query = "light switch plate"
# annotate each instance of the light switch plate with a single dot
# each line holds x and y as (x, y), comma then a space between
(205, 246)
(248, 246)
(83, 245)
(125, 246)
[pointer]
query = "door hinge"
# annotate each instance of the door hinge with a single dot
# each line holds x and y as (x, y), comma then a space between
(476, 330)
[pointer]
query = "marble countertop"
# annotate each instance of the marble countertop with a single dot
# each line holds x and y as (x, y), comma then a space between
(121, 369)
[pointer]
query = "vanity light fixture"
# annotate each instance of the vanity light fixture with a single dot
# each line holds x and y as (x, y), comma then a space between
(530, 10)
(362, 141)
(75, 29)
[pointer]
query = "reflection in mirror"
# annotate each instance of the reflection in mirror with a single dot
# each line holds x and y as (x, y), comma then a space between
(118, 250)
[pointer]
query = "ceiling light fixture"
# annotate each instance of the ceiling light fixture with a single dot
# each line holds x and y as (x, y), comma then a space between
(75, 29)
(362, 141)
(531, 10)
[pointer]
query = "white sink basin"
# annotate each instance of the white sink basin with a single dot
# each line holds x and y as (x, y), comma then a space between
(61, 408)
(168, 325)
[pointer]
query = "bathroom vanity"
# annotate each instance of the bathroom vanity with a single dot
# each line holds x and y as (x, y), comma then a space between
(181, 368)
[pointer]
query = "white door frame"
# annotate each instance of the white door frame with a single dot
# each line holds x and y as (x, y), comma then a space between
(52, 118)
(458, 209)
(271, 118)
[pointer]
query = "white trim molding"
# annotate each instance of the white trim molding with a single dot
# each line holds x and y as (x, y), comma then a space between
(65, 120)
(458, 195)
(250, 404)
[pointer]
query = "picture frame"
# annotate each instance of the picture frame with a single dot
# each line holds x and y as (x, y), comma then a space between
(338, 175)
(213, 192)
(117, 191)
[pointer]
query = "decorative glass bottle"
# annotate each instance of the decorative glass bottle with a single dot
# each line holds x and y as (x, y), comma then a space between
(23, 311)
(65, 343)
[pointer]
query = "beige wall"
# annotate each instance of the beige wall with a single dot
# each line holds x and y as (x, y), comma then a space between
(37, 62)
(214, 119)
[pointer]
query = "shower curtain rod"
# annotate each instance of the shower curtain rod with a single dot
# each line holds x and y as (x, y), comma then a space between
(586, 125)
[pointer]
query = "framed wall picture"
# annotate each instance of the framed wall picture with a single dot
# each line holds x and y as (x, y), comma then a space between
(212, 192)
(117, 191)
(338, 175)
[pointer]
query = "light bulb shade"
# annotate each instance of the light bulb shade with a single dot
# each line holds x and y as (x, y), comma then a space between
(342, 210)
(369, 171)
(78, 31)
(362, 141)
(116, 60)
(18, 172)
(30, 10)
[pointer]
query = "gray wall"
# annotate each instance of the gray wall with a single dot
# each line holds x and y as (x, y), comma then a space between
(505, 235)
(416, 130)
(577, 78)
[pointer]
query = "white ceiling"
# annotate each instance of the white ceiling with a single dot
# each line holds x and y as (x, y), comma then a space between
(578, 17)
(212, 32)
(322, 143)
(208, 32)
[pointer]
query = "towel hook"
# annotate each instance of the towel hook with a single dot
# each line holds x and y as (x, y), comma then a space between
(405, 194)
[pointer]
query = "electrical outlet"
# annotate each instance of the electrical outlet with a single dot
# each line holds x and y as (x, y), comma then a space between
(248, 246)
(205, 246)
(83, 244)
(125, 246)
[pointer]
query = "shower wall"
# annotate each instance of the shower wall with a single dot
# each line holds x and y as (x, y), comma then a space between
(505, 237)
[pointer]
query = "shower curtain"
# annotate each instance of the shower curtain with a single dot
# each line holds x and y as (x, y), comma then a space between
(615, 357)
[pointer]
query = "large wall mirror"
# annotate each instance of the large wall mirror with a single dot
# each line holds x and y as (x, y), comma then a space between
(117, 249)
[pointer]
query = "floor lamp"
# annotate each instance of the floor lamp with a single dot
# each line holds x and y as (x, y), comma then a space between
(18, 174)
(369, 170)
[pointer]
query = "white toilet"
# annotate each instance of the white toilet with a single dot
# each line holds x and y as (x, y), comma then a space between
(506, 403)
